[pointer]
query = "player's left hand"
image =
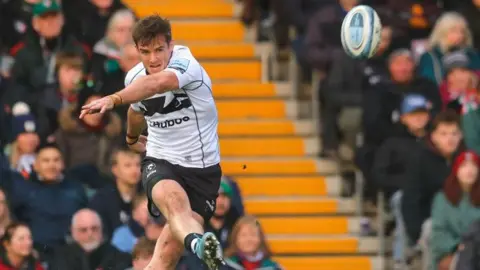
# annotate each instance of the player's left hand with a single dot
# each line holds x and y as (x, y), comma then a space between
(97, 106)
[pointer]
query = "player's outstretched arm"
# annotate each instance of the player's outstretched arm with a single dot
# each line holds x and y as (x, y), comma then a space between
(138, 90)
(135, 127)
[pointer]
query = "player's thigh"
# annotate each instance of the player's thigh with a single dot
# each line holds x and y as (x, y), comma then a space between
(164, 188)
(201, 185)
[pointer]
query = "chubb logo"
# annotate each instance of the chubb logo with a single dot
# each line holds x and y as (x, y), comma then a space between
(169, 123)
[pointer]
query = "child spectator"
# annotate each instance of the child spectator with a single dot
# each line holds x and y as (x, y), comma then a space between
(5, 218)
(459, 80)
(454, 209)
(142, 253)
(248, 248)
(21, 151)
(16, 250)
(125, 237)
(224, 217)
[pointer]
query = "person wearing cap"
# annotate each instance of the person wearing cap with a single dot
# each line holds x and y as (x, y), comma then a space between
(225, 215)
(460, 80)
(34, 67)
(391, 159)
(454, 209)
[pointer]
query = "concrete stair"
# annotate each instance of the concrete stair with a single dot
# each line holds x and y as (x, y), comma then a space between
(272, 154)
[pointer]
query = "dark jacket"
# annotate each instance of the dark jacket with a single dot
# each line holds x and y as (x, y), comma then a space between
(472, 14)
(115, 212)
(391, 159)
(223, 233)
(106, 257)
(427, 171)
(47, 207)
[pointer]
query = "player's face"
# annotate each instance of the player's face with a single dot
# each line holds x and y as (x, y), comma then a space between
(156, 54)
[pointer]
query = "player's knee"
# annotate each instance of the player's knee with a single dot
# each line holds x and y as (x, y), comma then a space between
(170, 196)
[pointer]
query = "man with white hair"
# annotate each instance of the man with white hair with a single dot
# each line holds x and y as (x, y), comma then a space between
(88, 249)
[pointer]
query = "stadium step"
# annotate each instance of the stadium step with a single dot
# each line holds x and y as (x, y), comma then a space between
(256, 109)
(308, 244)
(251, 90)
(277, 166)
(234, 70)
(273, 147)
(176, 10)
(319, 225)
(298, 206)
(329, 263)
(289, 186)
(264, 128)
(216, 31)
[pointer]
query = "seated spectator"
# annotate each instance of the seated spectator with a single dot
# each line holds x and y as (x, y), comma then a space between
(89, 250)
(34, 67)
(427, 170)
(16, 250)
(142, 253)
(125, 237)
(454, 209)
(106, 52)
(471, 121)
(471, 11)
(114, 202)
(91, 22)
(459, 80)
(322, 37)
(450, 33)
(236, 198)
(99, 131)
(5, 217)
(155, 227)
(21, 152)
(224, 217)
(47, 201)
(248, 248)
(69, 73)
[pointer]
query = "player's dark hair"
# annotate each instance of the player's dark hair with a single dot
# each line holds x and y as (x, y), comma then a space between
(149, 28)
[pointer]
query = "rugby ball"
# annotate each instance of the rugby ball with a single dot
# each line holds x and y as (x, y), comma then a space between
(361, 32)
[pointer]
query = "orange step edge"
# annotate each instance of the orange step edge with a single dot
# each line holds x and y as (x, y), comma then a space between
(210, 31)
(282, 186)
(324, 263)
(258, 128)
(312, 246)
(243, 70)
(305, 225)
(271, 207)
(171, 10)
(241, 89)
(262, 147)
(279, 167)
(253, 109)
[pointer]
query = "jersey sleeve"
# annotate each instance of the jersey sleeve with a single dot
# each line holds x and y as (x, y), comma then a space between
(187, 69)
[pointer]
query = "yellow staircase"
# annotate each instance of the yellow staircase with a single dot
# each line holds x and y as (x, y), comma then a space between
(271, 154)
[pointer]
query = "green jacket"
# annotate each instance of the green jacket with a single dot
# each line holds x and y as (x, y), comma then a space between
(449, 222)
(267, 264)
(471, 129)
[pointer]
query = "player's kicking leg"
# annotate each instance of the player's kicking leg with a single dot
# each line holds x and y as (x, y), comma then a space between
(174, 204)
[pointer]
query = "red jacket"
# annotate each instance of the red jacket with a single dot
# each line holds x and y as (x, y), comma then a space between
(5, 266)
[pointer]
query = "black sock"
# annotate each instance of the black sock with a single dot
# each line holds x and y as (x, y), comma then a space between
(189, 239)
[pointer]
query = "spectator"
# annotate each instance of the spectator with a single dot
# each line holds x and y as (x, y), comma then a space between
(391, 159)
(471, 121)
(47, 201)
(382, 100)
(248, 248)
(89, 250)
(224, 217)
(142, 253)
(5, 217)
(91, 23)
(21, 151)
(322, 37)
(114, 202)
(100, 131)
(454, 209)
(125, 237)
(428, 168)
(106, 51)
(70, 77)
(471, 11)
(459, 79)
(450, 33)
(155, 227)
(236, 198)
(16, 251)
(34, 67)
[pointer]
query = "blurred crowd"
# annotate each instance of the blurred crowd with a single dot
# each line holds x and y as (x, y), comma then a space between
(415, 105)
(70, 196)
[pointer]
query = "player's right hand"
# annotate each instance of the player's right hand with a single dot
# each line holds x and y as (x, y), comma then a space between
(140, 146)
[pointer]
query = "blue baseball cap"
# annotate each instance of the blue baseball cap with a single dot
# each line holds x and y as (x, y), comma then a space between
(414, 102)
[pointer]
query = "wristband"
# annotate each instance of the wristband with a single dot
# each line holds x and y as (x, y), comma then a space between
(135, 138)
(134, 142)
(115, 98)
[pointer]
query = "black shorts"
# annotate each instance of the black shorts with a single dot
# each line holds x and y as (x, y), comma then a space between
(200, 184)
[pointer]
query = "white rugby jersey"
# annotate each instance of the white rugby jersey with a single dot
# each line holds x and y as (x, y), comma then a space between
(182, 124)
